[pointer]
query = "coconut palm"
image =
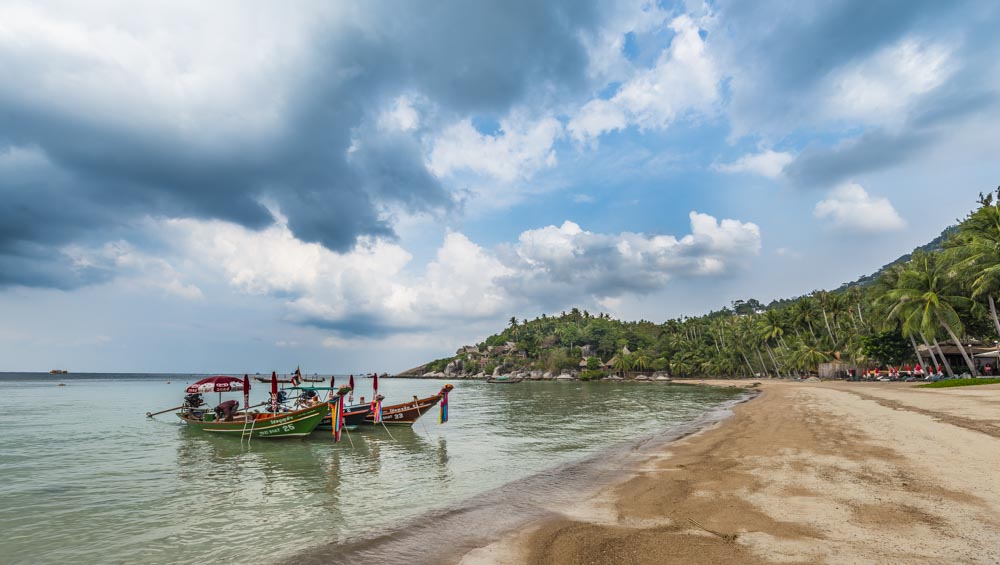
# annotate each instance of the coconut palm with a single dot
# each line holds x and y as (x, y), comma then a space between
(808, 356)
(925, 299)
(805, 312)
(976, 249)
(640, 361)
(825, 300)
(622, 363)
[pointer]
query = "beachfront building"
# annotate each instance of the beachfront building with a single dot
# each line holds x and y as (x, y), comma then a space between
(982, 353)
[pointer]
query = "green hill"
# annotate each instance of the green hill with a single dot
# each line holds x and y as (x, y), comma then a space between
(861, 324)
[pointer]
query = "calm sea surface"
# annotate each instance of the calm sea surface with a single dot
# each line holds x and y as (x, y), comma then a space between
(86, 478)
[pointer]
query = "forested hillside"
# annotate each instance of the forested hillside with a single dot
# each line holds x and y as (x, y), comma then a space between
(942, 291)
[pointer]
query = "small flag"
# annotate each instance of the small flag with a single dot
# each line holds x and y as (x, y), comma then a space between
(375, 383)
(351, 384)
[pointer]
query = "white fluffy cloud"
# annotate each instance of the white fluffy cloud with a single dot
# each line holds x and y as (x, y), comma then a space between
(568, 259)
(133, 267)
(881, 88)
(768, 163)
(372, 289)
(849, 206)
(402, 116)
(683, 79)
(520, 148)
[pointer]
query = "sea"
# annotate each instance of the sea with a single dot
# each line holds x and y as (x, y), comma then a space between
(86, 477)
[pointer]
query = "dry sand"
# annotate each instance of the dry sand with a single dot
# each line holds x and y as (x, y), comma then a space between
(805, 473)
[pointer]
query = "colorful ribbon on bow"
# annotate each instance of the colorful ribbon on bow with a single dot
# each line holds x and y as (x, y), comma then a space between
(444, 407)
(337, 417)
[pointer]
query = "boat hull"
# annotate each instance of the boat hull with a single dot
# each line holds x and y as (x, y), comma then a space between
(281, 425)
(405, 414)
(354, 416)
(503, 381)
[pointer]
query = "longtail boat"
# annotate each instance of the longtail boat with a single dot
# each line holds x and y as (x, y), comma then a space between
(226, 420)
(407, 413)
(299, 423)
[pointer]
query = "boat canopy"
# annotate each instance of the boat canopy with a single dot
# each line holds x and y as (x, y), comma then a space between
(218, 383)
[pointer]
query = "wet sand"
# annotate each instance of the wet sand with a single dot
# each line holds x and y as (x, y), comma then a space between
(805, 473)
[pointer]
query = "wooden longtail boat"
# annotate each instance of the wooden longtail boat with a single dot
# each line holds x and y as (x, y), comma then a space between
(407, 413)
(299, 423)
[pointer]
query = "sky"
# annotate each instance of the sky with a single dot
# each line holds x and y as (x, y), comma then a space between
(249, 186)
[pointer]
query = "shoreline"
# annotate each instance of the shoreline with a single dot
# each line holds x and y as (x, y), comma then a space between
(808, 472)
(482, 519)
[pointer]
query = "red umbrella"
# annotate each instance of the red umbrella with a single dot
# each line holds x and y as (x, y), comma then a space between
(274, 391)
(351, 384)
(375, 383)
(219, 383)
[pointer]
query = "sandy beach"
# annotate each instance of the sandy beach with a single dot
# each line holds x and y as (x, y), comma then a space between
(804, 473)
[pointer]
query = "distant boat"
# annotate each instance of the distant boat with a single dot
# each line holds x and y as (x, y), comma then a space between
(503, 380)
(58, 372)
(289, 380)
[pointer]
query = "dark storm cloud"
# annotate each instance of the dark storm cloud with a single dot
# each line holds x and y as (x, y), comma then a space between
(783, 55)
(819, 166)
(779, 52)
(361, 325)
(103, 172)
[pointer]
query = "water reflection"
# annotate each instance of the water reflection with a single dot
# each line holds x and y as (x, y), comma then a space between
(167, 484)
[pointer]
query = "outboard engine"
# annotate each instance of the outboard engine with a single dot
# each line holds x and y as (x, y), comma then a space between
(193, 400)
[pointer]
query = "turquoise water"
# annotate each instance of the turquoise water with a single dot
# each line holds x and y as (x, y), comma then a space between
(88, 479)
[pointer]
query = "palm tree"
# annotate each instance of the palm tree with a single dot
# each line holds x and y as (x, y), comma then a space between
(925, 299)
(770, 325)
(976, 248)
(808, 356)
(825, 301)
(622, 363)
(640, 361)
(804, 312)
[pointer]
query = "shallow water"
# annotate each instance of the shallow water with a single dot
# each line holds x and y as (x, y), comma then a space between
(88, 479)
